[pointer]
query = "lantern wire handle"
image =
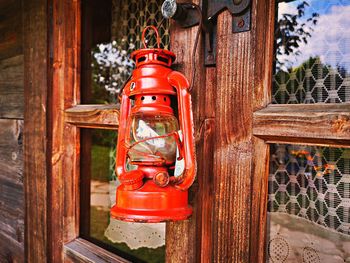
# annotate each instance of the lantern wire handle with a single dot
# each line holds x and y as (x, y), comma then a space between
(144, 35)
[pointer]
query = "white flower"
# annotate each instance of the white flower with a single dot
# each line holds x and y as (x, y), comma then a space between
(114, 66)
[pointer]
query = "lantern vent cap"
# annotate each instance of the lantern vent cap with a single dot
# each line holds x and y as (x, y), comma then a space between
(153, 56)
(148, 55)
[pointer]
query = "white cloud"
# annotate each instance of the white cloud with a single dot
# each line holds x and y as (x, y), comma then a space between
(286, 8)
(330, 39)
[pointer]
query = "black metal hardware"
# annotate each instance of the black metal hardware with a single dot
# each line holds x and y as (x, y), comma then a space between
(184, 13)
(241, 22)
(234, 6)
(187, 16)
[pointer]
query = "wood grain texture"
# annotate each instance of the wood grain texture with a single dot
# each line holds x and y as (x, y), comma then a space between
(263, 65)
(11, 28)
(93, 116)
(81, 250)
(35, 129)
(233, 146)
(205, 134)
(11, 191)
(240, 161)
(327, 124)
(184, 239)
(204, 250)
(11, 87)
(65, 138)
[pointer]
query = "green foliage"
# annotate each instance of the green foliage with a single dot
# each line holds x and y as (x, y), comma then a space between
(100, 168)
(292, 30)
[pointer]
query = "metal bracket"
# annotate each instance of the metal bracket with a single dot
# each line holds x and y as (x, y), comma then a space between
(241, 22)
(187, 16)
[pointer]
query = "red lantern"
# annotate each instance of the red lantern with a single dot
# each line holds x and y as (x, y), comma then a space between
(150, 147)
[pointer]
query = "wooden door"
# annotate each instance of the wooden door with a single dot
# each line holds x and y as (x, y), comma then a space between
(236, 120)
(228, 196)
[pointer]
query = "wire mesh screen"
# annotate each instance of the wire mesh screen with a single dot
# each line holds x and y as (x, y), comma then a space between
(312, 60)
(313, 183)
(111, 64)
(131, 17)
(309, 198)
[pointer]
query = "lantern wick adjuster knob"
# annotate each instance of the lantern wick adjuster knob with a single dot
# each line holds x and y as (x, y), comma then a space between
(132, 180)
(161, 179)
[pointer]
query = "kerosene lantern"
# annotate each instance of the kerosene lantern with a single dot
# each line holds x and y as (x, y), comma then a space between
(155, 138)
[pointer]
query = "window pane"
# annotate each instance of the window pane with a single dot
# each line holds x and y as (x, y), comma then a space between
(135, 241)
(312, 44)
(309, 204)
(111, 30)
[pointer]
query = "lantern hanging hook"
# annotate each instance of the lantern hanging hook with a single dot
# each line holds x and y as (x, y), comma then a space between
(144, 35)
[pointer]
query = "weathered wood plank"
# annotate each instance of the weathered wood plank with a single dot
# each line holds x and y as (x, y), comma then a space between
(81, 250)
(63, 224)
(11, 87)
(205, 203)
(186, 236)
(93, 116)
(327, 124)
(35, 131)
(11, 28)
(233, 147)
(11, 250)
(205, 126)
(11, 191)
(264, 54)
(239, 169)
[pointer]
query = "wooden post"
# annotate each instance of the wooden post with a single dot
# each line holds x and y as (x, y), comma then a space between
(244, 70)
(190, 240)
(64, 162)
(232, 163)
(35, 129)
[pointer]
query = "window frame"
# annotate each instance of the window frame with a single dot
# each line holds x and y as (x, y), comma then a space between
(65, 167)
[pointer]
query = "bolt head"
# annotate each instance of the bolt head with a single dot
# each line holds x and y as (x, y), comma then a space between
(169, 8)
(241, 23)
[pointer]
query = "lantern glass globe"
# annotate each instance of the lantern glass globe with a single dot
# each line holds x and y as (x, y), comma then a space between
(145, 147)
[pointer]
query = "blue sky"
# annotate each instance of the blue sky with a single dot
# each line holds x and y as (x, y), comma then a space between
(321, 6)
(331, 36)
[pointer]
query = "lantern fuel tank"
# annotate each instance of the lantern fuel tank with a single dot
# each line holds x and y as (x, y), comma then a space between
(155, 138)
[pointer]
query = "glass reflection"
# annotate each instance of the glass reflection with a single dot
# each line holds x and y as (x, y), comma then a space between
(143, 148)
(312, 61)
(111, 31)
(308, 204)
(134, 241)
